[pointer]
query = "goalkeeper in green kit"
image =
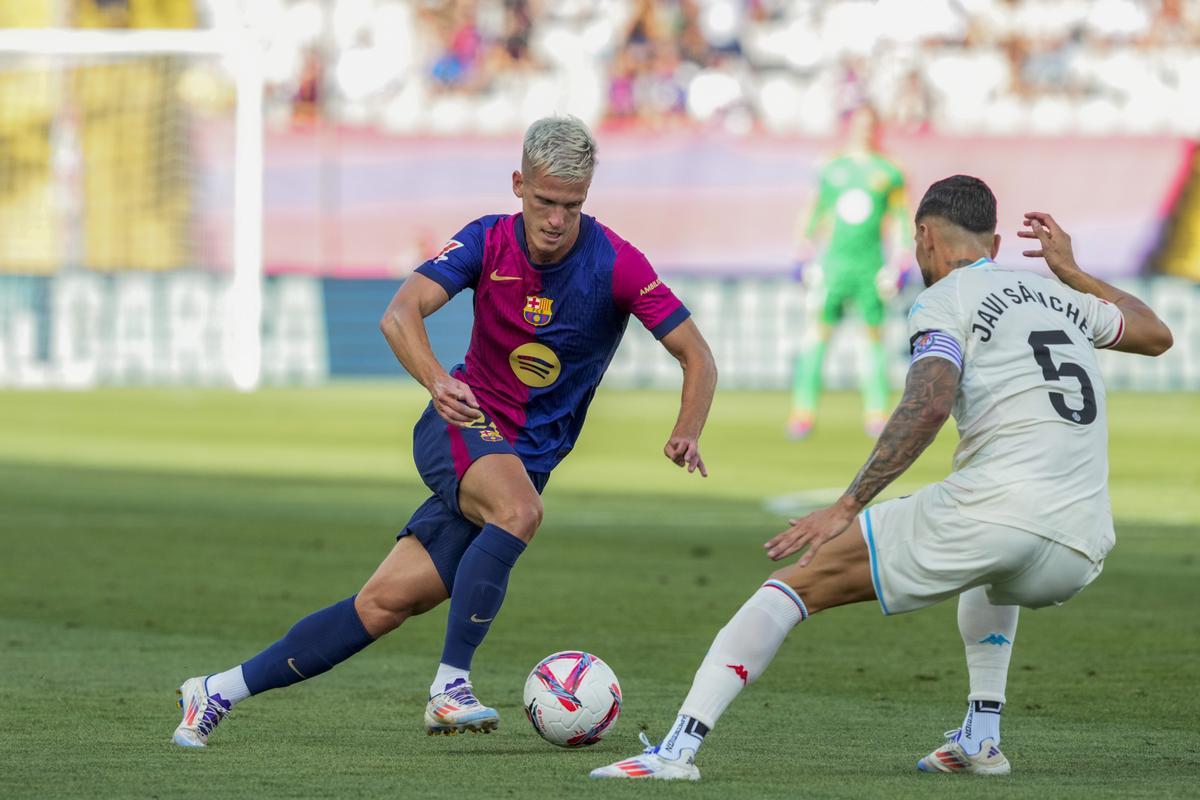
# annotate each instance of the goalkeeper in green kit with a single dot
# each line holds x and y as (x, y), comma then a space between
(860, 200)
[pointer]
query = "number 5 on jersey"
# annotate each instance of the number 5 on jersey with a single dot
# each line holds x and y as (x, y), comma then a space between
(1040, 341)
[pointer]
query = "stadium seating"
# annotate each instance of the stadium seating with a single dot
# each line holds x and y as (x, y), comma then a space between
(977, 66)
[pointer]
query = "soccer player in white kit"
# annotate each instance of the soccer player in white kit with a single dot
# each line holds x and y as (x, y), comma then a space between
(1022, 520)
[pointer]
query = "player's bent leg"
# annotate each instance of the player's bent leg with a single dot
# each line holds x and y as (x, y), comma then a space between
(742, 650)
(406, 583)
(1046, 572)
(988, 632)
(497, 494)
(839, 574)
(496, 490)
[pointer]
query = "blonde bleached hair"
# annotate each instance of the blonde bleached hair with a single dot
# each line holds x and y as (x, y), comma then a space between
(560, 147)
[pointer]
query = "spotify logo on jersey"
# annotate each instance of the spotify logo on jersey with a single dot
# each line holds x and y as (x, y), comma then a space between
(535, 364)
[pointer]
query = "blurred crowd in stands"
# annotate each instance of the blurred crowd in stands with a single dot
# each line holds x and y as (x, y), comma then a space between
(957, 66)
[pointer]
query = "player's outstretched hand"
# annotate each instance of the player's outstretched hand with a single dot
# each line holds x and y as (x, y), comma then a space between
(454, 401)
(685, 452)
(1055, 242)
(812, 531)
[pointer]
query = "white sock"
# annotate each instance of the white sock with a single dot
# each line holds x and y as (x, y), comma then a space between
(982, 722)
(988, 632)
(447, 675)
(740, 653)
(684, 739)
(229, 684)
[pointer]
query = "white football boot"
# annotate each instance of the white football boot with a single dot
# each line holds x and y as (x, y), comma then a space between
(951, 757)
(201, 713)
(650, 765)
(457, 710)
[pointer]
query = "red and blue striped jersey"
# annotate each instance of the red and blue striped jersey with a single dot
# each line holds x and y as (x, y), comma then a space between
(544, 335)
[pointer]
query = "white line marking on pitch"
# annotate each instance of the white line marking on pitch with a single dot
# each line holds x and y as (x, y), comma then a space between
(802, 502)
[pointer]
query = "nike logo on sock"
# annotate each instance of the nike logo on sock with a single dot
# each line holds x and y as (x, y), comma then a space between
(477, 619)
(292, 664)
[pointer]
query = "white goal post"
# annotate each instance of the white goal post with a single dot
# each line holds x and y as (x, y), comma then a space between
(242, 51)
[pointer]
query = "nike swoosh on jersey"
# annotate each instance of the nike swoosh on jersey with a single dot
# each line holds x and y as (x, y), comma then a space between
(496, 276)
(477, 619)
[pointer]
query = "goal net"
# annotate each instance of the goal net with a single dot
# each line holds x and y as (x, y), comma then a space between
(130, 208)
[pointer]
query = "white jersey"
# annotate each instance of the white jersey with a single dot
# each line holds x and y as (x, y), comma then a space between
(1032, 424)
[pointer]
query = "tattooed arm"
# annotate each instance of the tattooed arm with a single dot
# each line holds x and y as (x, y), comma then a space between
(928, 397)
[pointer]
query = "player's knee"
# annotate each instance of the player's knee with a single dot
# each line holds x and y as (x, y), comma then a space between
(521, 516)
(801, 584)
(382, 613)
(820, 586)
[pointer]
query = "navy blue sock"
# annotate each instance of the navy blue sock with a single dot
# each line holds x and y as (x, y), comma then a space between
(478, 592)
(313, 645)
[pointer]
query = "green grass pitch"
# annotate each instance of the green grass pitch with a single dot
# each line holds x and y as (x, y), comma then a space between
(151, 535)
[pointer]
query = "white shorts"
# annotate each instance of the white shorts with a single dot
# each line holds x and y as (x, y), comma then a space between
(924, 551)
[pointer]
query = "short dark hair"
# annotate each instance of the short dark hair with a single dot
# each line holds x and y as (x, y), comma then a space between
(962, 200)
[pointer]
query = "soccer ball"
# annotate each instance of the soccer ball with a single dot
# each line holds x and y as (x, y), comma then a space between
(572, 699)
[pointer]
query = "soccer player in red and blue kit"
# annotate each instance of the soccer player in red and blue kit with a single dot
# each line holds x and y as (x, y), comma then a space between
(554, 290)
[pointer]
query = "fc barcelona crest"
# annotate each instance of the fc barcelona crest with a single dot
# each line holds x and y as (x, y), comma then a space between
(538, 310)
(488, 431)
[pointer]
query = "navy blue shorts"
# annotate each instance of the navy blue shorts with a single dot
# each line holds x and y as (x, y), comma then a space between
(443, 452)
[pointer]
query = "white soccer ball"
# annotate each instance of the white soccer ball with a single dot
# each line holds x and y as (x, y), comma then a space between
(572, 699)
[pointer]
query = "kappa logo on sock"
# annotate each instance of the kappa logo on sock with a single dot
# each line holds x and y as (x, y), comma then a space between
(741, 672)
(997, 639)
